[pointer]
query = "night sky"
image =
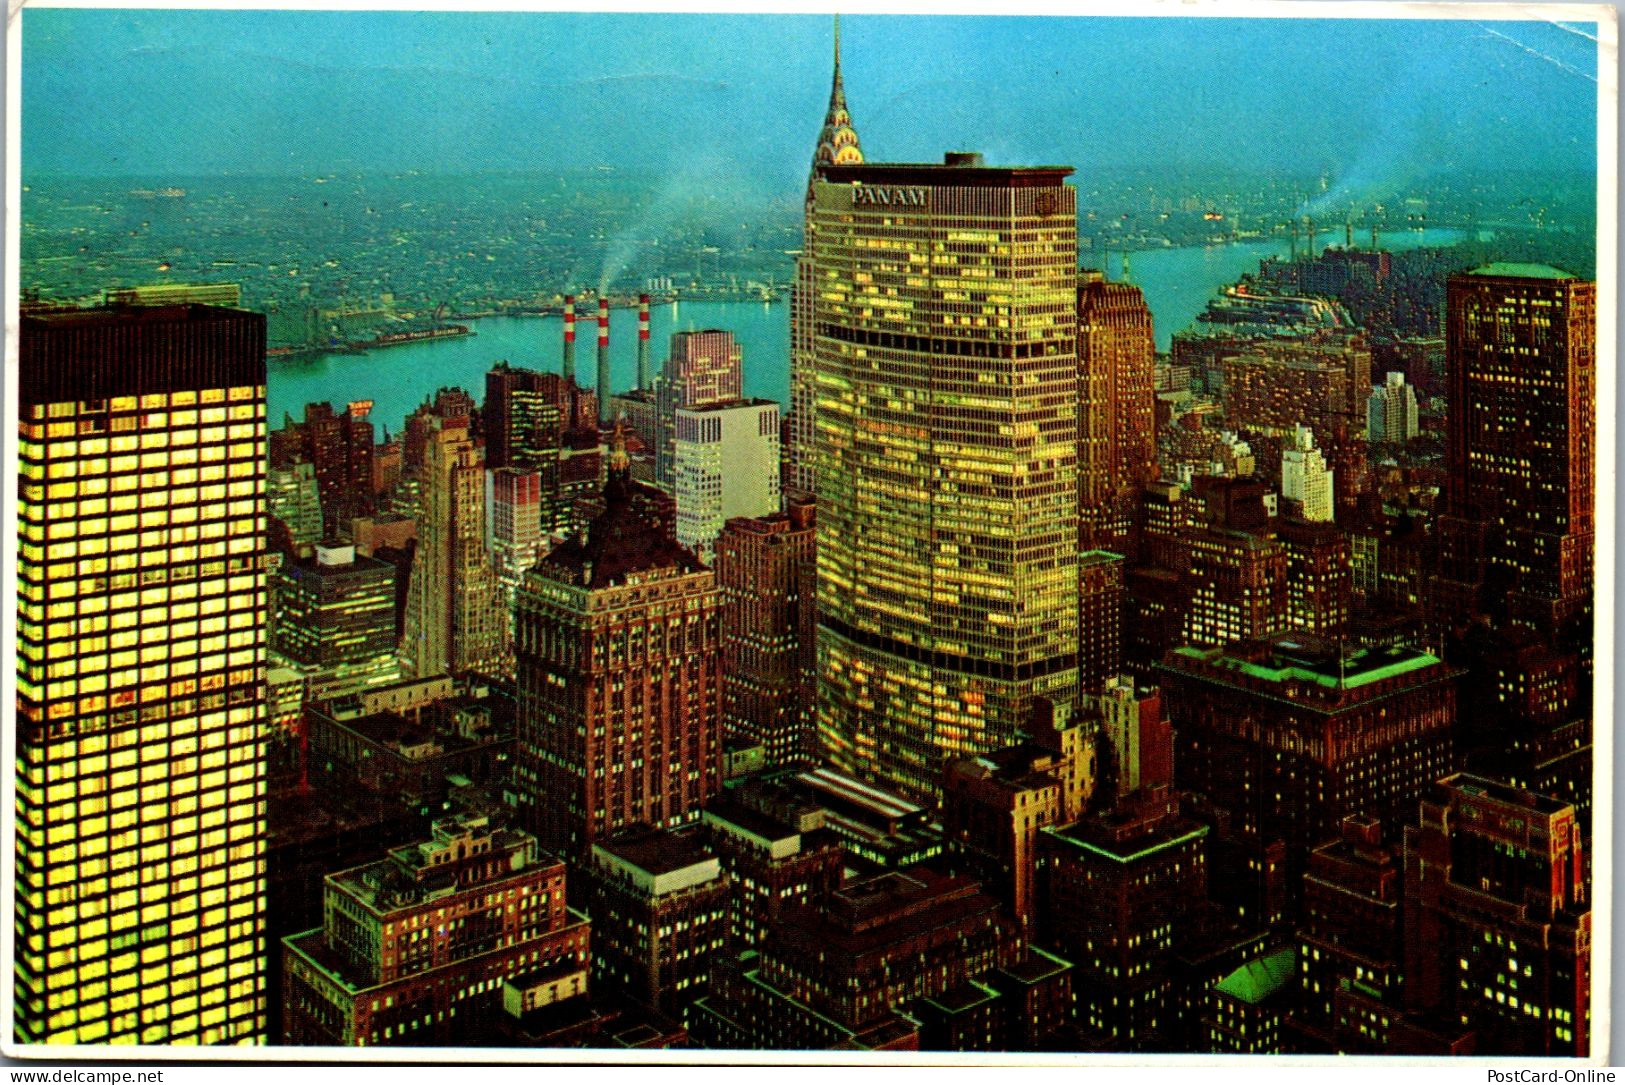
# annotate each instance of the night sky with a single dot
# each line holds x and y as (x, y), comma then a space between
(1372, 103)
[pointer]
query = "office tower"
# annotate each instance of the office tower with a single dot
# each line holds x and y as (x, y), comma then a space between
(1497, 925)
(1287, 737)
(339, 448)
(1234, 582)
(1350, 949)
(335, 621)
(837, 146)
(844, 972)
(1120, 887)
(1319, 585)
(520, 527)
(1117, 444)
(1100, 618)
(1520, 525)
(295, 500)
(725, 463)
(772, 861)
(408, 745)
(415, 948)
(522, 418)
(994, 806)
(141, 668)
(660, 903)
(1390, 412)
(946, 445)
(1305, 479)
(618, 643)
(455, 621)
(1422, 362)
(765, 569)
(703, 368)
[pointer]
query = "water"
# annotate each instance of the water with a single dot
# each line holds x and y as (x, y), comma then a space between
(1177, 285)
(398, 379)
(1178, 282)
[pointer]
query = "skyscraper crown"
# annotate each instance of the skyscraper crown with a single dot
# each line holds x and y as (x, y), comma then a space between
(838, 141)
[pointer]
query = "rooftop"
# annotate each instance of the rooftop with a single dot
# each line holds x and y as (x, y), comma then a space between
(1308, 659)
(656, 851)
(1506, 270)
(1480, 788)
(1260, 977)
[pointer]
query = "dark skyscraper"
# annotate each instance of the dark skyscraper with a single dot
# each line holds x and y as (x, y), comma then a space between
(1497, 925)
(617, 645)
(1521, 438)
(141, 664)
(765, 569)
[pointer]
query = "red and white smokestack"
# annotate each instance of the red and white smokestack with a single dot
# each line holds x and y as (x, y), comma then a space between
(569, 340)
(603, 360)
(643, 342)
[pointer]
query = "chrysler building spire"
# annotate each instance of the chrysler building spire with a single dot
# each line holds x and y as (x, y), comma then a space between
(838, 141)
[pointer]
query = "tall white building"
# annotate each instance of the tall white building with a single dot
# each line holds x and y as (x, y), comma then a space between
(1305, 478)
(1390, 413)
(726, 464)
(519, 536)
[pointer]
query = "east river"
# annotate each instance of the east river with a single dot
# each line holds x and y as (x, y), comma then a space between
(1177, 285)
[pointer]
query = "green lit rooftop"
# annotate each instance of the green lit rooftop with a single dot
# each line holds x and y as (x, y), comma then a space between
(1503, 270)
(1283, 664)
(1260, 978)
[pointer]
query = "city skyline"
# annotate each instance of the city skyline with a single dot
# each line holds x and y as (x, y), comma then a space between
(1045, 666)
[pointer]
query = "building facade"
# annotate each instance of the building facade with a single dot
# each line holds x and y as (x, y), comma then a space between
(704, 367)
(455, 621)
(335, 621)
(1390, 412)
(617, 647)
(141, 671)
(725, 464)
(945, 363)
(765, 569)
(417, 948)
(1521, 523)
(1117, 446)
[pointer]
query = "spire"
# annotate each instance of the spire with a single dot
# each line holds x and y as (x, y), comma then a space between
(838, 141)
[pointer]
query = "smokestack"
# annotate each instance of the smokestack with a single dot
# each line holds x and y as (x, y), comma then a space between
(1374, 237)
(603, 359)
(569, 340)
(1311, 231)
(1294, 241)
(643, 342)
(1348, 233)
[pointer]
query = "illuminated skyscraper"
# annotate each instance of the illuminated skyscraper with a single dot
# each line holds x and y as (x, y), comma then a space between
(704, 368)
(617, 646)
(946, 420)
(726, 464)
(1117, 446)
(1522, 342)
(1305, 478)
(141, 669)
(837, 146)
(455, 621)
